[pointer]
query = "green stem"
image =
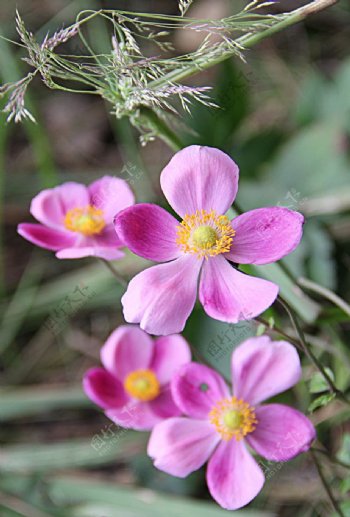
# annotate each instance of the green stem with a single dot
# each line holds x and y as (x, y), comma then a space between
(308, 351)
(332, 458)
(159, 127)
(281, 332)
(114, 272)
(326, 293)
(246, 41)
(326, 485)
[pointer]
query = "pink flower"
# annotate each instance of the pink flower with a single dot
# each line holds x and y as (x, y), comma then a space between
(77, 221)
(220, 426)
(200, 183)
(133, 385)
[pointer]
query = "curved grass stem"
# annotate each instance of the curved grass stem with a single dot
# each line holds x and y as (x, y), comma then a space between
(326, 485)
(308, 351)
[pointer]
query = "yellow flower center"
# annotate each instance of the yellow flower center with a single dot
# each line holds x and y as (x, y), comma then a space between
(142, 385)
(88, 220)
(233, 418)
(205, 234)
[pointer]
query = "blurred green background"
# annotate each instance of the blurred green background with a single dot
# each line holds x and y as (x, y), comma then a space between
(284, 117)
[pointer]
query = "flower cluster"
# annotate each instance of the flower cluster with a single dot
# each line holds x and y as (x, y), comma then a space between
(195, 418)
(152, 385)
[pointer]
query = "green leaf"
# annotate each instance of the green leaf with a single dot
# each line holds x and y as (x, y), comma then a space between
(102, 449)
(344, 451)
(112, 500)
(29, 401)
(321, 401)
(318, 383)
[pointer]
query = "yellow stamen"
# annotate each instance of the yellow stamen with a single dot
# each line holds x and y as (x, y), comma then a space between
(233, 418)
(142, 385)
(88, 220)
(205, 234)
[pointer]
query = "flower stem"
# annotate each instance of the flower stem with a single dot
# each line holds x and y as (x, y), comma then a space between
(326, 485)
(308, 351)
(281, 332)
(332, 458)
(114, 272)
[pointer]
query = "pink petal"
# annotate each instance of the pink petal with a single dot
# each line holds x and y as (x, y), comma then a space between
(282, 432)
(106, 253)
(265, 235)
(180, 445)
(231, 296)
(48, 238)
(234, 478)
(162, 297)
(170, 352)
(262, 368)
(107, 238)
(199, 178)
(104, 389)
(50, 206)
(149, 231)
(127, 349)
(135, 415)
(111, 195)
(164, 406)
(196, 389)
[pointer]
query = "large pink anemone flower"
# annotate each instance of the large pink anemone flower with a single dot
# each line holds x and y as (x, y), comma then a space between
(200, 184)
(77, 221)
(133, 387)
(219, 427)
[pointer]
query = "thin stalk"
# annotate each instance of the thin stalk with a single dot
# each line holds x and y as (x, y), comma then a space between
(246, 41)
(307, 349)
(161, 129)
(326, 485)
(278, 330)
(332, 458)
(114, 272)
(326, 293)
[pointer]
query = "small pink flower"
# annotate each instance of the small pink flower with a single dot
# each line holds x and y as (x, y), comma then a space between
(220, 426)
(200, 183)
(77, 221)
(133, 385)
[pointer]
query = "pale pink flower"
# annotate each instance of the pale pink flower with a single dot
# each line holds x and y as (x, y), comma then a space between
(200, 184)
(77, 221)
(133, 386)
(219, 427)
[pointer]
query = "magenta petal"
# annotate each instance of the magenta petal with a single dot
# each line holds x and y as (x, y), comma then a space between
(199, 178)
(149, 231)
(104, 389)
(262, 368)
(50, 206)
(180, 445)
(162, 297)
(282, 432)
(127, 349)
(48, 238)
(134, 415)
(265, 235)
(196, 389)
(110, 195)
(231, 296)
(107, 253)
(234, 478)
(170, 352)
(164, 406)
